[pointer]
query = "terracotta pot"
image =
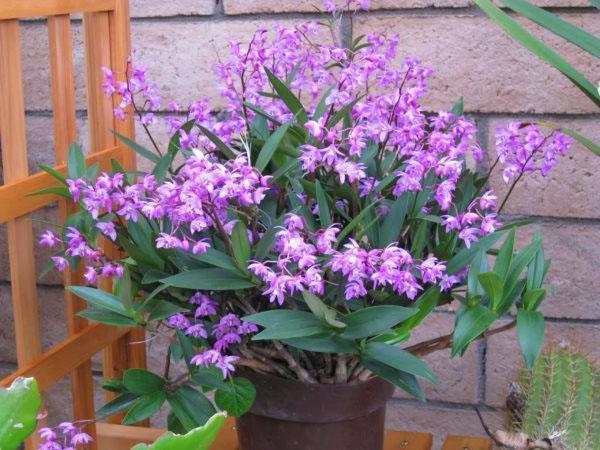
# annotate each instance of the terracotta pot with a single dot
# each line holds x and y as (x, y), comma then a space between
(290, 415)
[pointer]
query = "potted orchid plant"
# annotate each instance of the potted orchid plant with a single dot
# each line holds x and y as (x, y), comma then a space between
(287, 244)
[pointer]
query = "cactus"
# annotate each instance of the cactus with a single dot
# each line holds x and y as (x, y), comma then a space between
(561, 401)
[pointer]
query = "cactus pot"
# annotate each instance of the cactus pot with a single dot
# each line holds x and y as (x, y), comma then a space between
(290, 415)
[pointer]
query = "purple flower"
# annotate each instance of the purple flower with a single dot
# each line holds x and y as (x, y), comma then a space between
(60, 263)
(178, 321)
(49, 239)
(108, 230)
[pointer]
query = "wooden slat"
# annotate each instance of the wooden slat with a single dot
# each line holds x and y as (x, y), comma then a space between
(15, 199)
(14, 157)
(65, 131)
(51, 366)
(97, 54)
(467, 443)
(13, 9)
(121, 437)
(130, 350)
(406, 440)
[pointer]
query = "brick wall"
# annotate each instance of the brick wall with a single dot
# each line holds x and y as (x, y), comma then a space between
(499, 80)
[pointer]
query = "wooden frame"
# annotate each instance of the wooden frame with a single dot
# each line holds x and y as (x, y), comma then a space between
(107, 43)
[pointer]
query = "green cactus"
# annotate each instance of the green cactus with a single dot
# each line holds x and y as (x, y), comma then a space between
(561, 401)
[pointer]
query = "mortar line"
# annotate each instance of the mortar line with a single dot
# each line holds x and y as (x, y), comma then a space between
(442, 404)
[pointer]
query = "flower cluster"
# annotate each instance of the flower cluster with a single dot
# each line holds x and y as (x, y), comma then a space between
(77, 246)
(227, 332)
(66, 436)
(523, 148)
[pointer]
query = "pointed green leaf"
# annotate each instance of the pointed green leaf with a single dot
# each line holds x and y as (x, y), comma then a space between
(191, 407)
(399, 359)
(144, 407)
(469, 325)
(140, 381)
(374, 320)
(530, 328)
(534, 45)
(403, 380)
(229, 153)
(139, 149)
(558, 26)
(101, 299)
(271, 145)
(241, 245)
(209, 280)
(324, 214)
(493, 286)
(291, 101)
(505, 255)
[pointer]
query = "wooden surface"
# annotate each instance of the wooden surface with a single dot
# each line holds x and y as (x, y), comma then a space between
(13, 9)
(121, 437)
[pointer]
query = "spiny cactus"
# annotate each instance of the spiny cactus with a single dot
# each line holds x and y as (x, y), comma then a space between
(561, 401)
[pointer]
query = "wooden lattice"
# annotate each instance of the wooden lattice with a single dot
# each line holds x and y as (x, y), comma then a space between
(107, 43)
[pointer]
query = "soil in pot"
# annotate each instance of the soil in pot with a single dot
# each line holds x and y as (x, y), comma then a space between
(290, 415)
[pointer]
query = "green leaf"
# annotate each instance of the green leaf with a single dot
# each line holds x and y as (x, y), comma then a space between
(324, 214)
(271, 145)
(394, 220)
(241, 245)
(209, 280)
(229, 153)
(53, 190)
(191, 407)
(144, 407)
(199, 438)
(323, 344)
(236, 396)
(505, 255)
(164, 309)
(459, 107)
(116, 405)
(558, 26)
(374, 320)
(217, 258)
(469, 325)
(479, 264)
(291, 101)
(54, 173)
(533, 298)
(403, 380)
(101, 299)
(534, 45)
(140, 381)
(493, 287)
(285, 324)
(536, 270)
(465, 256)
(424, 305)
(76, 162)
(355, 222)
(101, 315)
(399, 359)
(139, 149)
(346, 109)
(530, 328)
(19, 406)
(321, 310)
